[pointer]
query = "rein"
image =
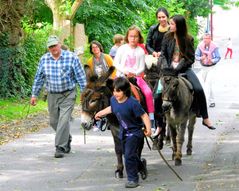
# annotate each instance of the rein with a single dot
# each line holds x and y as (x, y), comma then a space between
(103, 102)
(160, 153)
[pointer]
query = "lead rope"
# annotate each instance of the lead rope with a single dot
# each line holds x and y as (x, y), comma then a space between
(160, 153)
(84, 132)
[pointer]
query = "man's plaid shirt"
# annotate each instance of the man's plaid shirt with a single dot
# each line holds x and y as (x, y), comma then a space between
(59, 75)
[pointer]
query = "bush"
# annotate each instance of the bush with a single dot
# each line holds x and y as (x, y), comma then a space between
(18, 64)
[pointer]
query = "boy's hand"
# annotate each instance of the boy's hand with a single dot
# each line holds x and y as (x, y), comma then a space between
(98, 116)
(147, 132)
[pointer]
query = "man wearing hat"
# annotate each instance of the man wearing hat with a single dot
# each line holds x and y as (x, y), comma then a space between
(60, 70)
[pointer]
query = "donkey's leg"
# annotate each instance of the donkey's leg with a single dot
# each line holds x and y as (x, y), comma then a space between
(180, 140)
(118, 152)
(168, 136)
(191, 124)
(173, 137)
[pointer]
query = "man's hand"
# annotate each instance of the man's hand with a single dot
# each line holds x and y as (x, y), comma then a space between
(33, 101)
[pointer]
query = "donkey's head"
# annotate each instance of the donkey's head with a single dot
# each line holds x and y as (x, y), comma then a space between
(95, 97)
(170, 85)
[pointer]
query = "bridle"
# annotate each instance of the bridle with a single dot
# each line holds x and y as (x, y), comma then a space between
(166, 89)
(103, 100)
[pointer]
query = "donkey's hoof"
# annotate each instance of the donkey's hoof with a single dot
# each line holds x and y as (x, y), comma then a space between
(178, 162)
(119, 174)
(189, 151)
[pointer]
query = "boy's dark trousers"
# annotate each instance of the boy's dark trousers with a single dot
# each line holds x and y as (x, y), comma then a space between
(132, 147)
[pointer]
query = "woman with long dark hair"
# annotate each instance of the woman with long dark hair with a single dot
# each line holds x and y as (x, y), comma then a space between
(178, 50)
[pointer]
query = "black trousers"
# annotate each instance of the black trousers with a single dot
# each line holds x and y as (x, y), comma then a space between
(199, 94)
(132, 148)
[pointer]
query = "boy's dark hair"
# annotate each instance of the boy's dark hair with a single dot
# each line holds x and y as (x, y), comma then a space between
(122, 84)
(97, 44)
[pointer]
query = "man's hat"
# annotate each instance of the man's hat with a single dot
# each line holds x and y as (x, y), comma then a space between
(52, 40)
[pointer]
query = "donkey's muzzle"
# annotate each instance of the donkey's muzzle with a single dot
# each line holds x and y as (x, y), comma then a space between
(87, 126)
(166, 106)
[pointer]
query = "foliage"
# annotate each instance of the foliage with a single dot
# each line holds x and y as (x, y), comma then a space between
(64, 7)
(103, 19)
(18, 64)
(40, 14)
(14, 109)
(149, 16)
(196, 8)
(13, 71)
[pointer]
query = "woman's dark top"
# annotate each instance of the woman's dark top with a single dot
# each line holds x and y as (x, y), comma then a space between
(154, 39)
(187, 58)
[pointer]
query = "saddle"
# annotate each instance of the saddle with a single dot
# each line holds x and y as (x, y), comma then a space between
(137, 93)
(188, 84)
(195, 105)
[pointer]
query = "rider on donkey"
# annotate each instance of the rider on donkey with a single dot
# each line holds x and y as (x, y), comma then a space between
(130, 61)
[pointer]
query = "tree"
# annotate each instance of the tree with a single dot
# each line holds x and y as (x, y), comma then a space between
(104, 18)
(63, 12)
(11, 13)
(13, 71)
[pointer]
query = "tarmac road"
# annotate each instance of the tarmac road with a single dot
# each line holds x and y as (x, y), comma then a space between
(27, 164)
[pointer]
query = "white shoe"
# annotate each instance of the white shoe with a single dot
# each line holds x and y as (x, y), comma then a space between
(95, 129)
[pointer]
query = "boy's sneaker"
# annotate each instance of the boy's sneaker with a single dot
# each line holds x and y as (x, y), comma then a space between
(131, 184)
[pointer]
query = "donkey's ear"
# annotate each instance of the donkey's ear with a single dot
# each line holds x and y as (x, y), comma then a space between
(106, 75)
(88, 72)
(109, 84)
(111, 70)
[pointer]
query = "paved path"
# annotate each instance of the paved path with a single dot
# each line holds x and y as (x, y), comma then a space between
(27, 164)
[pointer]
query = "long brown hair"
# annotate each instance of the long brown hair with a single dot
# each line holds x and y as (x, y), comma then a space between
(134, 27)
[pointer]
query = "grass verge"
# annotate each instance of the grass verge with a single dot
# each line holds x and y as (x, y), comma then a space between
(18, 117)
(19, 109)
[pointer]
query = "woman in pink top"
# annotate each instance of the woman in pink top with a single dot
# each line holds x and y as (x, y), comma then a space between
(130, 61)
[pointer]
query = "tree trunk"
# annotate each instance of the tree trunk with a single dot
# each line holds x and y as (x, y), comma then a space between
(11, 13)
(61, 21)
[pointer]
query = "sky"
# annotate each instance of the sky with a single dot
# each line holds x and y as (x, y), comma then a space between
(225, 22)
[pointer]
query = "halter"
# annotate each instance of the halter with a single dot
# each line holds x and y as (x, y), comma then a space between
(165, 90)
(103, 101)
